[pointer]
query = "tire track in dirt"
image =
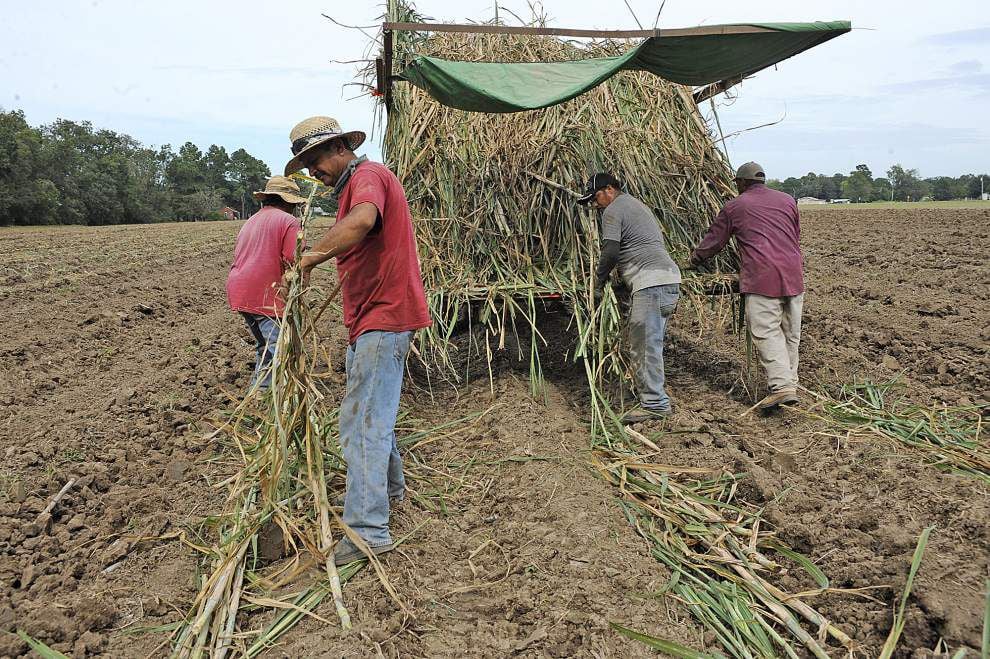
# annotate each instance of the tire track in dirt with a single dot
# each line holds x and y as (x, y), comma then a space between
(527, 554)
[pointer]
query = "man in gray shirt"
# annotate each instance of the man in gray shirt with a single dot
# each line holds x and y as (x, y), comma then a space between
(632, 240)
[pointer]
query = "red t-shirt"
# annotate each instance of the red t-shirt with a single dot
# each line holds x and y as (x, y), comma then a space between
(382, 285)
(265, 244)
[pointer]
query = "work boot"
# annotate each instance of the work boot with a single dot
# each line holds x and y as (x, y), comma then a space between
(778, 398)
(346, 552)
(640, 414)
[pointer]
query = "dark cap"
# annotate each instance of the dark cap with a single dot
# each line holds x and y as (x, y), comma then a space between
(751, 172)
(599, 181)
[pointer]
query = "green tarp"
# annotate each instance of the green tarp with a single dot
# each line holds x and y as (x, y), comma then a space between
(688, 60)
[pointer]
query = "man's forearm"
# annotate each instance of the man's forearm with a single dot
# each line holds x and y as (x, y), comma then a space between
(338, 239)
(702, 253)
(713, 242)
(609, 259)
(343, 235)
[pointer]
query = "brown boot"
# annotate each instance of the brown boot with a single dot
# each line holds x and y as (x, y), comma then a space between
(777, 398)
(346, 552)
(640, 414)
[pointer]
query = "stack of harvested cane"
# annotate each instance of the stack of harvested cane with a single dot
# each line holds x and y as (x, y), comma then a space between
(501, 228)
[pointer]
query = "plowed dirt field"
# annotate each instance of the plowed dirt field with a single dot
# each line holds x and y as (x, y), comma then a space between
(117, 342)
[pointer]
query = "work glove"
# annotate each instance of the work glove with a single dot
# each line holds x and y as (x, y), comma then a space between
(598, 292)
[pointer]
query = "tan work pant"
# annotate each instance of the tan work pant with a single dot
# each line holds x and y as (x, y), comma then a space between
(775, 324)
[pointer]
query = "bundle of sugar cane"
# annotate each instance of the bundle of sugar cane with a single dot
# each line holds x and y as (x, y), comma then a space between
(722, 556)
(286, 443)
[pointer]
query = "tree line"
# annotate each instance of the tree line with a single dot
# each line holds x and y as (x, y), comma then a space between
(69, 172)
(900, 184)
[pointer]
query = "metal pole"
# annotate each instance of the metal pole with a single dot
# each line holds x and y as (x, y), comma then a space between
(387, 57)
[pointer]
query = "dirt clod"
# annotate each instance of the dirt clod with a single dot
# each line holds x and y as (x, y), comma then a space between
(176, 470)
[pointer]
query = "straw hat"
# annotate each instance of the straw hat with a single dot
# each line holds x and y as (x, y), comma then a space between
(283, 187)
(314, 131)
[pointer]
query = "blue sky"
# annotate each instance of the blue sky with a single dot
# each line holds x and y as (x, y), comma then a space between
(908, 86)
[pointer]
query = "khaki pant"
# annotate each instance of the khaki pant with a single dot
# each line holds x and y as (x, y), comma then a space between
(775, 324)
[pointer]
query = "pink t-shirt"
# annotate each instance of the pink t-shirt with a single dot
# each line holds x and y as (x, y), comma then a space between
(266, 244)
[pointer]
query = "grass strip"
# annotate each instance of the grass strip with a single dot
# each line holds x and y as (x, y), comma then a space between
(663, 645)
(985, 645)
(952, 438)
(890, 645)
(43, 650)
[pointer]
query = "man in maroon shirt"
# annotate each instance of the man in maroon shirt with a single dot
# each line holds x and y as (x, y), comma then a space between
(384, 303)
(767, 229)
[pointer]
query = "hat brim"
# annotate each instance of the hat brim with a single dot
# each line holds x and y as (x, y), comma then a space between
(354, 138)
(286, 196)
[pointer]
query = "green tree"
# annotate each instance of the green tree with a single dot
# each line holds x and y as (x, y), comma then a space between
(202, 204)
(27, 195)
(974, 188)
(832, 186)
(907, 185)
(67, 172)
(858, 186)
(247, 174)
(186, 172)
(881, 190)
(809, 185)
(791, 186)
(217, 165)
(943, 188)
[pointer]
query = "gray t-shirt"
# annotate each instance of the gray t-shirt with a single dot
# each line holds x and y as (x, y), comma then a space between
(643, 257)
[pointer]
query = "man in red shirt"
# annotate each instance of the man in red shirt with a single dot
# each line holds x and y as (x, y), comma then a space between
(767, 229)
(384, 303)
(265, 245)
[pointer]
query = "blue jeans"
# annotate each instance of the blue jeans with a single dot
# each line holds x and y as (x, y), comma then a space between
(375, 365)
(265, 332)
(651, 311)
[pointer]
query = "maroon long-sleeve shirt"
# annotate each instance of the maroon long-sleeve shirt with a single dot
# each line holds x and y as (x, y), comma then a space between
(767, 228)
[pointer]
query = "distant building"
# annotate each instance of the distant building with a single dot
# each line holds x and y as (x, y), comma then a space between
(840, 201)
(985, 196)
(229, 213)
(810, 200)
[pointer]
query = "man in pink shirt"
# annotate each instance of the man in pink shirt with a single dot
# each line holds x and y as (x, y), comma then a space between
(266, 245)
(767, 229)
